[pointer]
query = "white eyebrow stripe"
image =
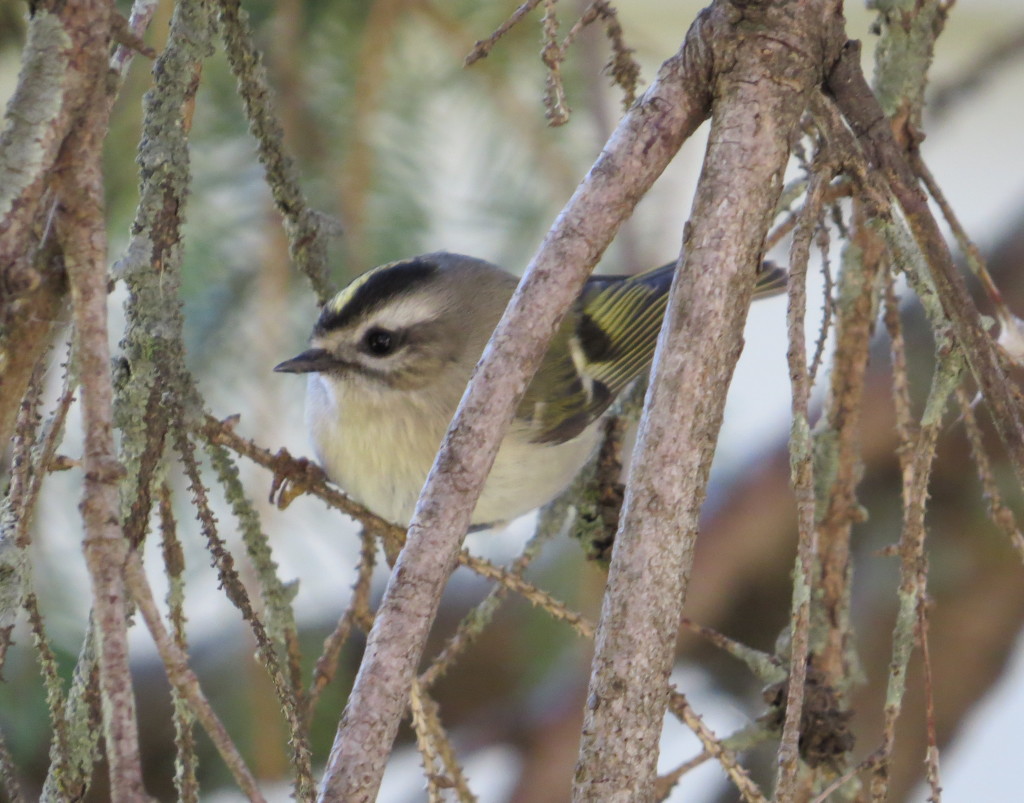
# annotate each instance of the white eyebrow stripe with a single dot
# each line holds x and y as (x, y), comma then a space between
(403, 312)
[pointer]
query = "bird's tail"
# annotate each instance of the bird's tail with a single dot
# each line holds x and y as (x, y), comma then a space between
(771, 279)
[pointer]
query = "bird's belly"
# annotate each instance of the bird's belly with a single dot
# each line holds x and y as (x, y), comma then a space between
(381, 458)
(528, 475)
(378, 456)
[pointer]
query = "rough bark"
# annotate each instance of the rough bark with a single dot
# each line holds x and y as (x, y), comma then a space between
(81, 227)
(767, 60)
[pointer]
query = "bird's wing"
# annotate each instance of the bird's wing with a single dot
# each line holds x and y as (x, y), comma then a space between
(606, 341)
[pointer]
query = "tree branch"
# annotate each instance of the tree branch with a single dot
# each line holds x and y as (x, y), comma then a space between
(82, 230)
(638, 151)
(769, 59)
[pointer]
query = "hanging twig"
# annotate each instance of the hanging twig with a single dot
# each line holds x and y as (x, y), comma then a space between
(748, 790)
(275, 594)
(234, 589)
(358, 614)
(872, 129)
(917, 457)
(1011, 334)
(307, 230)
(184, 679)
(998, 511)
(185, 782)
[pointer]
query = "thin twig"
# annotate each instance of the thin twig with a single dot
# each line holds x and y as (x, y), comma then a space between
(742, 740)
(765, 667)
(55, 697)
(306, 229)
(666, 783)
(68, 776)
(25, 479)
(801, 462)
(835, 191)
(443, 745)
(183, 679)
(998, 511)
(826, 793)
(932, 753)
(301, 475)
(905, 426)
(185, 782)
(484, 46)
(235, 591)
(425, 744)
(827, 303)
(975, 261)
(274, 593)
(919, 456)
(869, 124)
(535, 596)
(473, 623)
(436, 749)
(357, 614)
(838, 436)
(748, 790)
(556, 108)
(135, 26)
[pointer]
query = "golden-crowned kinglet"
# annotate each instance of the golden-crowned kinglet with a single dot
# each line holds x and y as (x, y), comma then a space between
(391, 355)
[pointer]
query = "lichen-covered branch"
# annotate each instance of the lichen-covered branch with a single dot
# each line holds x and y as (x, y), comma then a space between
(39, 116)
(81, 227)
(802, 473)
(917, 461)
(307, 230)
(875, 136)
(58, 91)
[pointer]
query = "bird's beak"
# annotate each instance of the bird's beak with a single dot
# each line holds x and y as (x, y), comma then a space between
(308, 362)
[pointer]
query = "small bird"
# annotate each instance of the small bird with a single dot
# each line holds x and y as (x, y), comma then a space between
(391, 354)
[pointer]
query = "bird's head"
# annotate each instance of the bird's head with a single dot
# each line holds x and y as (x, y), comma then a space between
(406, 324)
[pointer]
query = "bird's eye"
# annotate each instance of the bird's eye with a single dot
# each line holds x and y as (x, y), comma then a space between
(379, 342)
